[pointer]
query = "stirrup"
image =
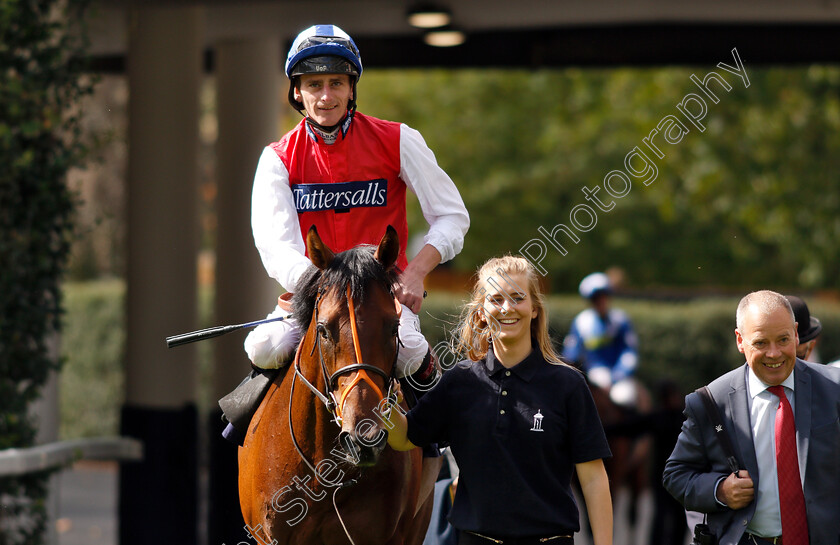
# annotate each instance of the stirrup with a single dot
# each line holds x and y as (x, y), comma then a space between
(240, 405)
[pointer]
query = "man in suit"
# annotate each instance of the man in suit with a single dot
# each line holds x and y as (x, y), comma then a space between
(744, 507)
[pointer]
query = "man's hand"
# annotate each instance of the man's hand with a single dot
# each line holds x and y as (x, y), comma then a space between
(409, 286)
(736, 491)
(409, 291)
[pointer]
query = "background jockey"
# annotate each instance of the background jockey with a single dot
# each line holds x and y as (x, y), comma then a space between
(602, 341)
(347, 174)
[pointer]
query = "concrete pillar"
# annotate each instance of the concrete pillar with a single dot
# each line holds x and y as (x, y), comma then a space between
(158, 496)
(248, 105)
(248, 73)
(46, 411)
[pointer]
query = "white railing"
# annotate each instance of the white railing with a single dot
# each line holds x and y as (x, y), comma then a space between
(53, 455)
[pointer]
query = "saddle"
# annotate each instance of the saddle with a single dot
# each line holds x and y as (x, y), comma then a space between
(239, 406)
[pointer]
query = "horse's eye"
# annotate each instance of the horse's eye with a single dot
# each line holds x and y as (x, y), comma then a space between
(323, 331)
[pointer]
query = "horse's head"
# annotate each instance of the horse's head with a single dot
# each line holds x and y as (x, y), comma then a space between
(352, 336)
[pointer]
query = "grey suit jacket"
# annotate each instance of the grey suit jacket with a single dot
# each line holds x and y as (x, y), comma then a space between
(698, 459)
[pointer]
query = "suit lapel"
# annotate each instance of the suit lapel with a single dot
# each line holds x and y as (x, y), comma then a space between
(738, 411)
(802, 414)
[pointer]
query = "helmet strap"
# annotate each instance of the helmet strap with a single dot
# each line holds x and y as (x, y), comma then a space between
(329, 135)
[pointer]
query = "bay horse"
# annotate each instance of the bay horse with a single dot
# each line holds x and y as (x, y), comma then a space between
(628, 465)
(314, 467)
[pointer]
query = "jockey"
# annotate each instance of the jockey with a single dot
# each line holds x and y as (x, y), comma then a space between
(602, 340)
(347, 174)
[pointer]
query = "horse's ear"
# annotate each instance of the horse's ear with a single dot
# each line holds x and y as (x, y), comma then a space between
(320, 255)
(389, 248)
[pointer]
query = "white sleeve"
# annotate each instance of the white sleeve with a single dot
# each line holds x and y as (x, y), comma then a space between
(275, 223)
(440, 200)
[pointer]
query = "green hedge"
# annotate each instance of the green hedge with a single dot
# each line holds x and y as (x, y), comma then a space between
(690, 342)
(92, 343)
(93, 349)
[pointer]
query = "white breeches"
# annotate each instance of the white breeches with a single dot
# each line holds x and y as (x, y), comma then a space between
(271, 345)
(625, 392)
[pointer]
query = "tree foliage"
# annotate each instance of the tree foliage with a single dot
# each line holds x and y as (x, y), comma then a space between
(42, 56)
(748, 201)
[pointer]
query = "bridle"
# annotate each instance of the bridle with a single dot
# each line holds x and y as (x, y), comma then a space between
(328, 397)
(362, 368)
(333, 405)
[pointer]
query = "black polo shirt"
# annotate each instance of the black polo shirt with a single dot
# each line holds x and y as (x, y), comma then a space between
(516, 435)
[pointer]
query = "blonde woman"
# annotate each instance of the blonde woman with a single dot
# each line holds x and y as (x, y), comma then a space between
(518, 419)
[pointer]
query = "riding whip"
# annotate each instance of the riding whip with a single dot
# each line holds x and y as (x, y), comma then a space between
(210, 332)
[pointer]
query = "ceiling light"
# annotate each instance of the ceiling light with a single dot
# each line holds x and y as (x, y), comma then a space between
(445, 37)
(428, 16)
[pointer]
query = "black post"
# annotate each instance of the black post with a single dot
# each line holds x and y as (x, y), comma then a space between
(159, 495)
(224, 519)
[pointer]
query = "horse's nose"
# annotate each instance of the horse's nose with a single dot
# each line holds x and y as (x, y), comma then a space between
(381, 439)
(346, 441)
(361, 453)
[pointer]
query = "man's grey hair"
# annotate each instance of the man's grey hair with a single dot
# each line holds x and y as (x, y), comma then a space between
(765, 301)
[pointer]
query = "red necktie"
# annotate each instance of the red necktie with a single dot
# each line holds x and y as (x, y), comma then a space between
(791, 498)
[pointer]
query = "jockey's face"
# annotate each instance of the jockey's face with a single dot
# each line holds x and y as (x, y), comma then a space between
(601, 304)
(324, 96)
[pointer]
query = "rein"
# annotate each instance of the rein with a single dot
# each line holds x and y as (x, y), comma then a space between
(362, 368)
(328, 398)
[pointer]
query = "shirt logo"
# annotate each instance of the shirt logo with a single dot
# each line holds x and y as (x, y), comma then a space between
(538, 422)
(340, 196)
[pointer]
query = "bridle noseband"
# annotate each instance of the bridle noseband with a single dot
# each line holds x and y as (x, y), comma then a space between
(334, 406)
(328, 398)
(362, 368)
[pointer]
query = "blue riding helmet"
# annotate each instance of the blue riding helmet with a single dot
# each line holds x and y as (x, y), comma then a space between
(323, 49)
(321, 41)
(595, 284)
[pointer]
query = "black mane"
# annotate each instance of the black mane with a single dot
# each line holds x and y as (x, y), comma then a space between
(356, 266)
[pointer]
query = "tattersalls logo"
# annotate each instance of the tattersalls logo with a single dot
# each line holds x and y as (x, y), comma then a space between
(340, 196)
